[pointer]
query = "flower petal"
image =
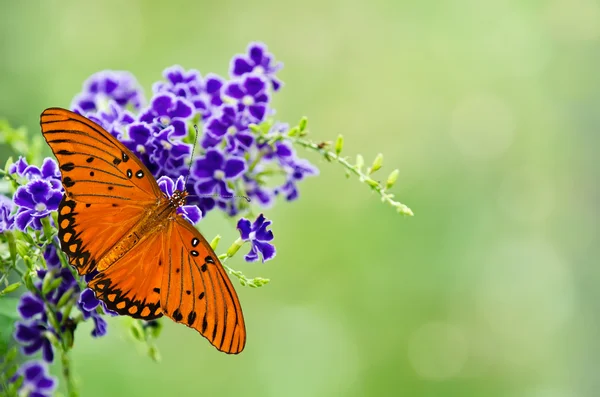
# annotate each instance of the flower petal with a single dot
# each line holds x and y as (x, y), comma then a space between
(267, 250)
(23, 198)
(183, 109)
(240, 66)
(99, 327)
(245, 227)
(162, 103)
(30, 306)
(234, 167)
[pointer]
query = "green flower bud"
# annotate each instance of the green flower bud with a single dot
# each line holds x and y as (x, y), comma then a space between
(339, 144)
(377, 163)
(10, 288)
(154, 353)
(360, 162)
(392, 178)
(303, 123)
(235, 247)
(215, 242)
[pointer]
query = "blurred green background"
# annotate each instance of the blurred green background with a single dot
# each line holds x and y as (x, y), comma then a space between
(490, 111)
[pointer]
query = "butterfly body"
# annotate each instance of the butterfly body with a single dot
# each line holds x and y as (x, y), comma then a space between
(115, 223)
(154, 220)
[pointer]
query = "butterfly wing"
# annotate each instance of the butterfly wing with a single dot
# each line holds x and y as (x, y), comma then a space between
(196, 290)
(107, 188)
(131, 285)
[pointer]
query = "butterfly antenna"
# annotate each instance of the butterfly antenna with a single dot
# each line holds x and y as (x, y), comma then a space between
(192, 157)
(220, 195)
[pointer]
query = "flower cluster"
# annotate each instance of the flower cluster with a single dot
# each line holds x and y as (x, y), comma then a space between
(232, 160)
(242, 159)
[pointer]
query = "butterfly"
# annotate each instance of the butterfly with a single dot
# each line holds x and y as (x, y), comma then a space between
(115, 221)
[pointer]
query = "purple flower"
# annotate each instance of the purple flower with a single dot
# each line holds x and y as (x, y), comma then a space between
(113, 119)
(102, 87)
(212, 172)
(37, 382)
(258, 235)
(35, 200)
(250, 94)
(226, 123)
(257, 60)
(167, 145)
(32, 338)
(88, 303)
(48, 172)
(30, 306)
(255, 190)
(7, 219)
(51, 257)
(161, 150)
(204, 94)
(190, 212)
(297, 171)
(167, 109)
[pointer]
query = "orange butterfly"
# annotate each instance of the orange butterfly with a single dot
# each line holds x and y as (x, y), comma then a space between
(114, 219)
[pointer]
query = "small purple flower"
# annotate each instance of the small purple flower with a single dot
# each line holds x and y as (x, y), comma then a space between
(167, 109)
(35, 200)
(226, 124)
(88, 303)
(297, 171)
(37, 382)
(257, 60)
(51, 257)
(32, 338)
(167, 144)
(258, 235)
(212, 171)
(102, 87)
(49, 171)
(7, 219)
(204, 94)
(113, 119)
(161, 150)
(190, 212)
(250, 93)
(255, 190)
(179, 82)
(30, 306)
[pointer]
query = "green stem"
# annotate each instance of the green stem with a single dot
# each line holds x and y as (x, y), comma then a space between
(331, 156)
(68, 375)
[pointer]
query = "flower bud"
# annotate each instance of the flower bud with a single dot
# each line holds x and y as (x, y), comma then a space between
(215, 242)
(303, 123)
(360, 162)
(377, 163)
(10, 288)
(339, 144)
(392, 178)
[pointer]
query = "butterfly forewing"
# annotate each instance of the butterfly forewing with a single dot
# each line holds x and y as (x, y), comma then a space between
(95, 166)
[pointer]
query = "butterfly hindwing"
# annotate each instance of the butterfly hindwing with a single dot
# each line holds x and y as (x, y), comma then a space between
(131, 285)
(196, 290)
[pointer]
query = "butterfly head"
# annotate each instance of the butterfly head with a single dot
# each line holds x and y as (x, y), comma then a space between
(178, 198)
